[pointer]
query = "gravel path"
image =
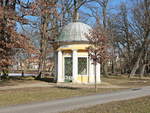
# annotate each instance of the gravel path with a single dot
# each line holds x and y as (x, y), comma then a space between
(76, 102)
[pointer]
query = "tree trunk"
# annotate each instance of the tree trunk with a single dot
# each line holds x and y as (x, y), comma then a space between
(75, 11)
(144, 45)
(104, 16)
(112, 67)
(22, 74)
(43, 46)
(136, 66)
(95, 77)
(142, 70)
(104, 8)
(105, 69)
(144, 65)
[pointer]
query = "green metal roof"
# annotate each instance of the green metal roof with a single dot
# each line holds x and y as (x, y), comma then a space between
(75, 31)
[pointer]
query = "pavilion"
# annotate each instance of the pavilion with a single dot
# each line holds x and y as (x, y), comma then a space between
(72, 61)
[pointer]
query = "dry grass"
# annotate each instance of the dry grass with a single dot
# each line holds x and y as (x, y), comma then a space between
(139, 105)
(17, 81)
(127, 82)
(29, 95)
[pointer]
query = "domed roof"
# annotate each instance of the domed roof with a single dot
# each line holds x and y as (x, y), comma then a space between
(75, 31)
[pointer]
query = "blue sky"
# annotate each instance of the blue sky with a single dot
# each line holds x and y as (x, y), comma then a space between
(113, 6)
(117, 2)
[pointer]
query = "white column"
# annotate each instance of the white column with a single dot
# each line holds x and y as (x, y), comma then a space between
(60, 77)
(55, 66)
(98, 73)
(74, 65)
(91, 72)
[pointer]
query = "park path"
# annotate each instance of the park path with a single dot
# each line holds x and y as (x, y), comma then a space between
(77, 102)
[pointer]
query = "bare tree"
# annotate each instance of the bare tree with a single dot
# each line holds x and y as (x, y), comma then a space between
(10, 39)
(47, 25)
(98, 51)
(141, 16)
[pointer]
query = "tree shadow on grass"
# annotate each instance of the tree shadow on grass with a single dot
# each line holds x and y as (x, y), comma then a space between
(50, 80)
(67, 87)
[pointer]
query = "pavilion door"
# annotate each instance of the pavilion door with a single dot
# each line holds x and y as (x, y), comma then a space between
(68, 69)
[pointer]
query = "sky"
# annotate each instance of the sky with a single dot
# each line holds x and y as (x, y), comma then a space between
(117, 2)
(113, 5)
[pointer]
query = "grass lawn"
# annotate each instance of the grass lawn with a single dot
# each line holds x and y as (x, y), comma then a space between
(127, 82)
(28, 95)
(18, 81)
(139, 105)
(38, 94)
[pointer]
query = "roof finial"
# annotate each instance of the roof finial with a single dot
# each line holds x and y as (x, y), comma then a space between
(77, 17)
